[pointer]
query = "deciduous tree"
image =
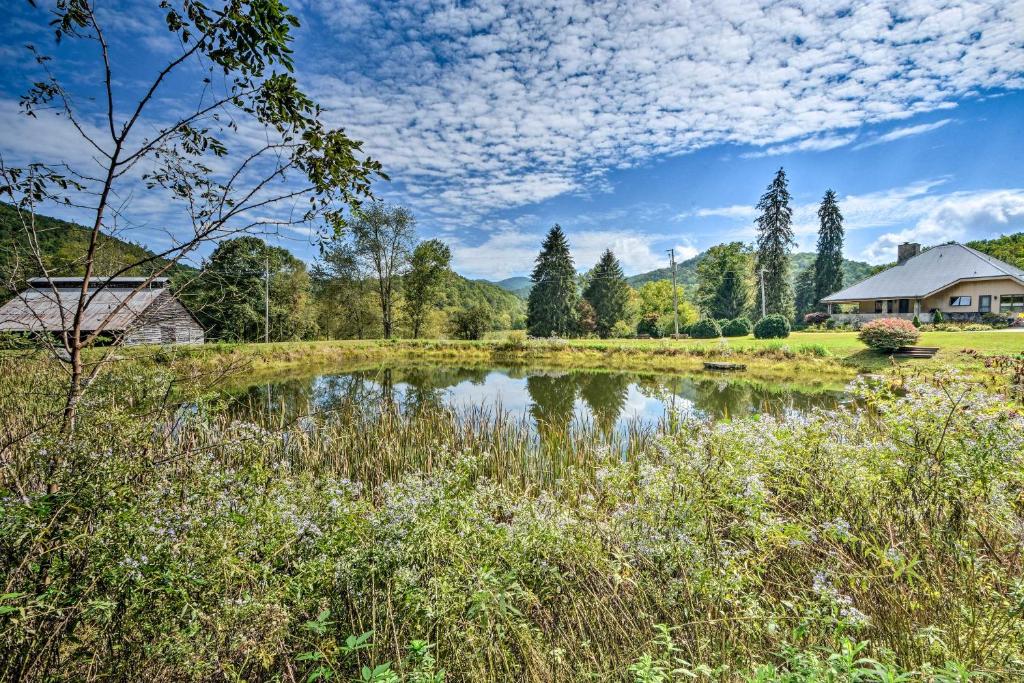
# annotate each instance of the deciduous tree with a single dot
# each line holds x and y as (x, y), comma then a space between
(382, 240)
(429, 269)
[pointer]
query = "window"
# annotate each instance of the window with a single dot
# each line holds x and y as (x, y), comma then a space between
(985, 304)
(878, 307)
(959, 301)
(1011, 303)
(904, 306)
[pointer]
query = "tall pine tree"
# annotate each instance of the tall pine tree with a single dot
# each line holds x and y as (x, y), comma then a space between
(805, 297)
(608, 293)
(828, 266)
(551, 307)
(774, 240)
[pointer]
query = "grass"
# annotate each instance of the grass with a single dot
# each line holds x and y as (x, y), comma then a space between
(832, 358)
(178, 545)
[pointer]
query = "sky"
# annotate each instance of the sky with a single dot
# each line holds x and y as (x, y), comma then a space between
(637, 126)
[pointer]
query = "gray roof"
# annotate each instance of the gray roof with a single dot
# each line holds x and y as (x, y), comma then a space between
(928, 272)
(39, 309)
(97, 280)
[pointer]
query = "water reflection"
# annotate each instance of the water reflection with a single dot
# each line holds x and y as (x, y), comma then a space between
(553, 400)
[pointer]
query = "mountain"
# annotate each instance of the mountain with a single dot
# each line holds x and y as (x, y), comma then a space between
(62, 245)
(509, 308)
(686, 271)
(513, 284)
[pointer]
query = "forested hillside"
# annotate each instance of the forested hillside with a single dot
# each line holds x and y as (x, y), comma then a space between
(1009, 248)
(686, 271)
(62, 245)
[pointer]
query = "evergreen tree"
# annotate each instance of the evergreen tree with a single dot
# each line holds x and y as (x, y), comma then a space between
(806, 299)
(828, 266)
(551, 307)
(774, 240)
(724, 281)
(608, 293)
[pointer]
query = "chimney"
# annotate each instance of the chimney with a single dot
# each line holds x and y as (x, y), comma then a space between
(907, 251)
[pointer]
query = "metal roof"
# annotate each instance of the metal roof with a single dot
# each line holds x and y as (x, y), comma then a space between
(54, 310)
(96, 281)
(928, 272)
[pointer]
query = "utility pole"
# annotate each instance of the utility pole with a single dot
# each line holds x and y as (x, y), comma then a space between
(675, 294)
(266, 299)
(763, 313)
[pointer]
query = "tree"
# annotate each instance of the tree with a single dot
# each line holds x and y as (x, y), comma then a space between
(428, 273)
(472, 322)
(586, 318)
(806, 299)
(608, 293)
(725, 281)
(344, 297)
(551, 307)
(774, 241)
(229, 294)
(234, 155)
(656, 297)
(382, 240)
(828, 266)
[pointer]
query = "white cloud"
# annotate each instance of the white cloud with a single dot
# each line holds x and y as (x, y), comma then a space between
(905, 132)
(812, 144)
(507, 251)
(489, 106)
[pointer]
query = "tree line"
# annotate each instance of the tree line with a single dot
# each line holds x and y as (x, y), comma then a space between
(377, 280)
(729, 279)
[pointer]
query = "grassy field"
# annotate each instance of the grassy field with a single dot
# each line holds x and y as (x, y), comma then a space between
(813, 358)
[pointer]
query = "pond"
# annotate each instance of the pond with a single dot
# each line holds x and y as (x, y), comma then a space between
(550, 400)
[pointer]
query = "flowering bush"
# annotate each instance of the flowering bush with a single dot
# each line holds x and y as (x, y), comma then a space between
(888, 334)
(816, 318)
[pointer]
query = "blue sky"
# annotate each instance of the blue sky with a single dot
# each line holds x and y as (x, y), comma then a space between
(636, 126)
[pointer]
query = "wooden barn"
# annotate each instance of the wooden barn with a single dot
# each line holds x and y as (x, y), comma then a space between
(151, 316)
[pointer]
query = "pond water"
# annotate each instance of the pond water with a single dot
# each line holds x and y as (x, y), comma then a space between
(549, 399)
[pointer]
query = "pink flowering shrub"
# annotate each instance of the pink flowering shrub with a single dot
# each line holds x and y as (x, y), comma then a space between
(888, 334)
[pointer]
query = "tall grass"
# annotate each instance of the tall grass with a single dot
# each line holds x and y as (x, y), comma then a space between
(841, 545)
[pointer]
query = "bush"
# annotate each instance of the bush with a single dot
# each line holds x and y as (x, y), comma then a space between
(916, 322)
(816, 318)
(996, 320)
(621, 329)
(772, 326)
(705, 329)
(472, 322)
(938, 318)
(740, 327)
(515, 341)
(888, 334)
(649, 325)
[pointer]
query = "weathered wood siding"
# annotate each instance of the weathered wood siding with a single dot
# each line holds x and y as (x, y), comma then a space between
(166, 321)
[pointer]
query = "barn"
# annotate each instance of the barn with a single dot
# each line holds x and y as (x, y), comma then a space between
(152, 315)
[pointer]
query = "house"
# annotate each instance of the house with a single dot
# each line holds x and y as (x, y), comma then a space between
(151, 315)
(961, 282)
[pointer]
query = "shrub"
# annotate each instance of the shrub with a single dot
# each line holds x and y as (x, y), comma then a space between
(888, 334)
(515, 341)
(772, 326)
(649, 325)
(816, 318)
(937, 318)
(740, 327)
(996, 320)
(621, 329)
(705, 329)
(916, 322)
(472, 322)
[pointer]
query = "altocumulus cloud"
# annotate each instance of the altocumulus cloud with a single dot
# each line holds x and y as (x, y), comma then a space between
(483, 106)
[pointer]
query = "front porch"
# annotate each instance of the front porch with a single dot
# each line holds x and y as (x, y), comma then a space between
(859, 318)
(905, 309)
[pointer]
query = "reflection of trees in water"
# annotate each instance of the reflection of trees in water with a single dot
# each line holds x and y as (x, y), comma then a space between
(552, 400)
(606, 395)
